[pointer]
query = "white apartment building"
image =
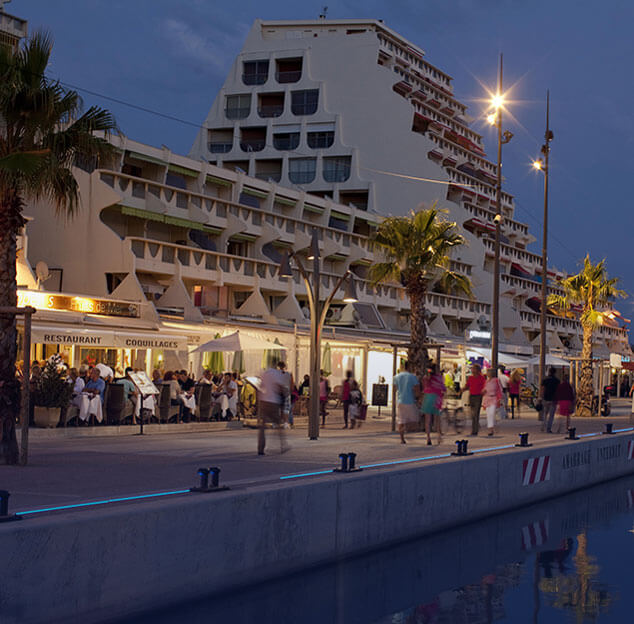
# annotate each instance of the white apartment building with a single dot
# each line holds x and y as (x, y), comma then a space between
(352, 111)
(169, 251)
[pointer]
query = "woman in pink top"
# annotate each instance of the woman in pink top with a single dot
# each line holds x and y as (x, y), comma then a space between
(433, 391)
(491, 398)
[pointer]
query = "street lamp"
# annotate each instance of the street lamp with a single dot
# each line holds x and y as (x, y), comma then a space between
(495, 119)
(318, 311)
(541, 164)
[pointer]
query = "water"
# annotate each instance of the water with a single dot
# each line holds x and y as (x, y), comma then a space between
(565, 560)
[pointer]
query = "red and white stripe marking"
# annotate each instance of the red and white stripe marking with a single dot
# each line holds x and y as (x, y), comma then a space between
(630, 449)
(536, 470)
(535, 534)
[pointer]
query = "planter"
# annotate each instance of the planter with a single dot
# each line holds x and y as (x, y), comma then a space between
(45, 416)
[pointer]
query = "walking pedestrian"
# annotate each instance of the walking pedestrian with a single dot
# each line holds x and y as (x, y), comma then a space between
(433, 391)
(475, 386)
(407, 389)
(272, 393)
(324, 391)
(515, 384)
(565, 397)
(503, 378)
(287, 405)
(356, 405)
(345, 397)
(548, 392)
(491, 398)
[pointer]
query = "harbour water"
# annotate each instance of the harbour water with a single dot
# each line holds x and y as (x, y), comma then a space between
(564, 560)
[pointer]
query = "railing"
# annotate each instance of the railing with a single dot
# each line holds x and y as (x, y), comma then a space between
(271, 111)
(270, 175)
(252, 145)
(237, 113)
(507, 250)
(285, 77)
(217, 209)
(220, 148)
(480, 211)
(257, 78)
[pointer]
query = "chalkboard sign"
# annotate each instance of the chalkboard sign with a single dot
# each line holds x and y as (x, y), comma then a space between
(379, 394)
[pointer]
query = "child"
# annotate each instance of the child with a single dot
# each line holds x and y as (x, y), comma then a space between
(356, 401)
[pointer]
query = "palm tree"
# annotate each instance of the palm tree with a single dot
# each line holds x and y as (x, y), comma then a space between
(416, 254)
(42, 132)
(592, 290)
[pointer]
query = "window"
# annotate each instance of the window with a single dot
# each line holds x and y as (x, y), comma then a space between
(176, 179)
(238, 106)
(286, 140)
(302, 170)
(304, 102)
(220, 141)
(255, 72)
(336, 168)
(318, 140)
(288, 70)
(270, 104)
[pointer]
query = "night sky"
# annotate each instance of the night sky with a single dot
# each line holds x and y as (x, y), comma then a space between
(171, 56)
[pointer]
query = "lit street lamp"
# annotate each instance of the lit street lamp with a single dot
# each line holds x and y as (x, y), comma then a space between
(495, 119)
(318, 311)
(542, 165)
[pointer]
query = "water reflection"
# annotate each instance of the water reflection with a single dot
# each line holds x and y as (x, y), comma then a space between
(542, 564)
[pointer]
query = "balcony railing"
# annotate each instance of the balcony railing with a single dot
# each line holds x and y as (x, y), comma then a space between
(272, 110)
(220, 148)
(257, 78)
(276, 176)
(237, 113)
(252, 145)
(285, 77)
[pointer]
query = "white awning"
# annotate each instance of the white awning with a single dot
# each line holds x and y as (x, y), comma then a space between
(503, 358)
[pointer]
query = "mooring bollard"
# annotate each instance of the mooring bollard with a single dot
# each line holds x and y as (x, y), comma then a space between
(461, 448)
(352, 457)
(215, 476)
(608, 428)
(572, 434)
(204, 486)
(4, 508)
(523, 440)
(344, 462)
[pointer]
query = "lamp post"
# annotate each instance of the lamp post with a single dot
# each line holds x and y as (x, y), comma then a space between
(318, 311)
(542, 165)
(495, 119)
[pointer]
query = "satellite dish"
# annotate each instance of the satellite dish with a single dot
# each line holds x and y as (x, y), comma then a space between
(42, 272)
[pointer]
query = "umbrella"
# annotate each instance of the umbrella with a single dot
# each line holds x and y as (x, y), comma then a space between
(238, 362)
(272, 355)
(214, 360)
(237, 342)
(326, 360)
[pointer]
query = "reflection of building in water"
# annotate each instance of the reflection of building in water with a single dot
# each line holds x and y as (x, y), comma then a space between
(576, 587)
(477, 603)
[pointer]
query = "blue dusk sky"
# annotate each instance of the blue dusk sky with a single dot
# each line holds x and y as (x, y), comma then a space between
(171, 56)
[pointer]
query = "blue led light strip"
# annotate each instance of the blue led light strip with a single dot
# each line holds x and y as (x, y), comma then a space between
(492, 448)
(101, 502)
(588, 435)
(622, 430)
(307, 474)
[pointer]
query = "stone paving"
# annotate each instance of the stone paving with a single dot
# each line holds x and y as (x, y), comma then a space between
(73, 466)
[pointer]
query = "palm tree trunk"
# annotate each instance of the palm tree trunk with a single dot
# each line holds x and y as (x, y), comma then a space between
(10, 222)
(586, 382)
(417, 353)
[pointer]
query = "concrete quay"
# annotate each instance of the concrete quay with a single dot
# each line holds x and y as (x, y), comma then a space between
(96, 563)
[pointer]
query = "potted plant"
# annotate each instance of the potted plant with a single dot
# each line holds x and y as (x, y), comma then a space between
(50, 393)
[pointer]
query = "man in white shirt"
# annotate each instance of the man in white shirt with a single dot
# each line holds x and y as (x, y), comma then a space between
(504, 382)
(272, 392)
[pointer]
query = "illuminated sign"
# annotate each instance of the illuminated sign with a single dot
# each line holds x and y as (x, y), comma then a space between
(48, 301)
(474, 334)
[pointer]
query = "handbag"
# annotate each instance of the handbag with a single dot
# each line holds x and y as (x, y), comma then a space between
(363, 411)
(539, 406)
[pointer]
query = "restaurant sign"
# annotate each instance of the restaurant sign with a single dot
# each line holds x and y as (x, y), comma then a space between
(88, 305)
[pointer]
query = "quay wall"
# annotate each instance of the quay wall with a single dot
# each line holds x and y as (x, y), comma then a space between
(93, 565)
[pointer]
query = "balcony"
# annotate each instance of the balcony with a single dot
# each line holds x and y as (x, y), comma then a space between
(237, 113)
(252, 139)
(255, 72)
(252, 145)
(220, 148)
(271, 110)
(286, 141)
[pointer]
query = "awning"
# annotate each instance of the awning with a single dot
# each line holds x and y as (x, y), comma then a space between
(105, 338)
(503, 358)
(238, 342)
(183, 171)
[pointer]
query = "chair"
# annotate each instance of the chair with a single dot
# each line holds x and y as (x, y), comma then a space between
(114, 404)
(165, 408)
(202, 393)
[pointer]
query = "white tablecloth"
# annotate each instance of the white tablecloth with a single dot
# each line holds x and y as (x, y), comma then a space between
(88, 405)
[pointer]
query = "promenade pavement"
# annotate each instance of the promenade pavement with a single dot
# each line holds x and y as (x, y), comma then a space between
(67, 467)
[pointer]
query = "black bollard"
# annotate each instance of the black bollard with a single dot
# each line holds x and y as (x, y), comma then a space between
(215, 476)
(461, 448)
(608, 428)
(352, 457)
(458, 448)
(523, 440)
(344, 462)
(203, 473)
(4, 508)
(572, 434)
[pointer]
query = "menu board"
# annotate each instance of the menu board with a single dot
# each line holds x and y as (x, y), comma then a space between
(143, 383)
(379, 394)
